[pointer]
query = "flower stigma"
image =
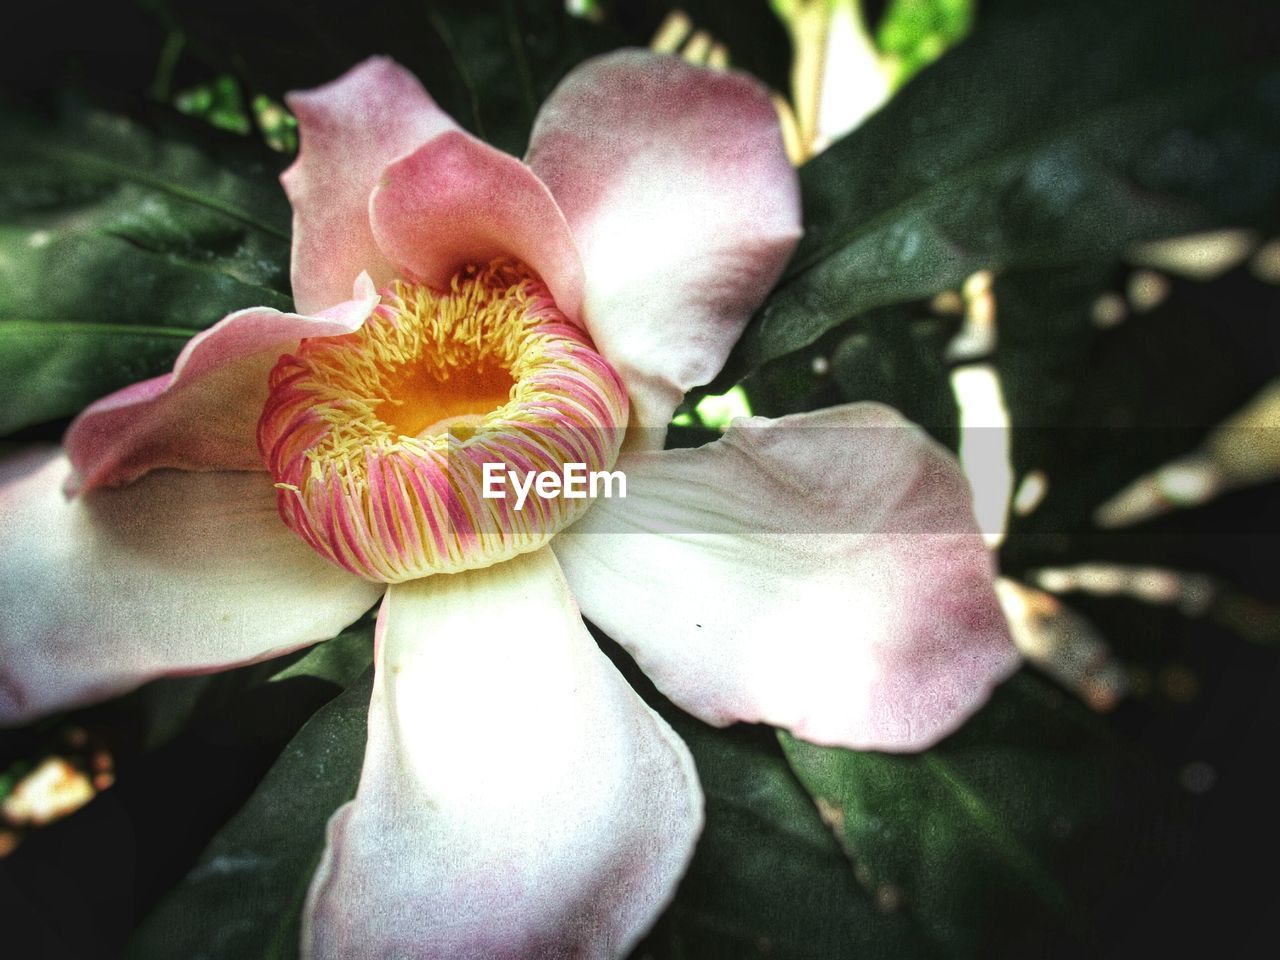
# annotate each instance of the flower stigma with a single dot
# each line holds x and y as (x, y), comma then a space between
(378, 439)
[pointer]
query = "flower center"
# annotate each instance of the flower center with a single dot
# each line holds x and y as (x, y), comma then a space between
(378, 439)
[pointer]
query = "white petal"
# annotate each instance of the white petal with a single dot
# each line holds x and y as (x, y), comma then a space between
(518, 799)
(821, 572)
(204, 414)
(349, 130)
(177, 573)
(677, 187)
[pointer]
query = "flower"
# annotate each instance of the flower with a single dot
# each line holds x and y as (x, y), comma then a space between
(820, 572)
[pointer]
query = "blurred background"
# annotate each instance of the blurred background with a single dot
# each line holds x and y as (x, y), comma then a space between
(1047, 231)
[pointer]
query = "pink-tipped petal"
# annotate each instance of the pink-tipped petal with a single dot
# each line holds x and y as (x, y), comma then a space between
(178, 573)
(203, 415)
(821, 572)
(518, 800)
(678, 190)
(349, 130)
(456, 200)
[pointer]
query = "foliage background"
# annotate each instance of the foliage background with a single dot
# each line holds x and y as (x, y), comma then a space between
(139, 203)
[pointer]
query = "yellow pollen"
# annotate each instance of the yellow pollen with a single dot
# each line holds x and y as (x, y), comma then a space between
(377, 439)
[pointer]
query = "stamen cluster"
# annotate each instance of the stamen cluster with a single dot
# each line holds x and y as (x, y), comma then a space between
(377, 440)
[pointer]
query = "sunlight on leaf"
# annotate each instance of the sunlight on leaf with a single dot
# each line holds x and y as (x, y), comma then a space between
(914, 33)
(219, 102)
(717, 412)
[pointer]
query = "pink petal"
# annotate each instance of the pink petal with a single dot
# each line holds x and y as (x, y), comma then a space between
(203, 415)
(685, 208)
(177, 573)
(821, 572)
(349, 131)
(456, 201)
(518, 800)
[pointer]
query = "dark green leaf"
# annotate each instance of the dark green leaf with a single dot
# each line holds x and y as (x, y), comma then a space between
(1054, 134)
(894, 355)
(262, 700)
(244, 897)
(342, 660)
(767, 880)
(996, 834)
(53, 369)
(488, 63)
(117, 242)
(508, 61)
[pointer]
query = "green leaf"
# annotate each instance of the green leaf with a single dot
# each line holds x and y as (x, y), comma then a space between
(488, 63)
(118, 240)
(51, 369)
(994, 837)
(218, 102)
(916, 32)
(894, 355)
(767, 880)
(341, 660)
(1053, 134)
(244, 897)
(509, 59)
(260, 700)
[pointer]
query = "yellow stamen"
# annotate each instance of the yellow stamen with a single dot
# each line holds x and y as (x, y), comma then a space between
(377, 439)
